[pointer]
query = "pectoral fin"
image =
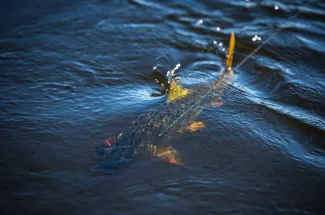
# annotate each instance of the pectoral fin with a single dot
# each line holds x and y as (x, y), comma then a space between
(195, 126)
(169, 155)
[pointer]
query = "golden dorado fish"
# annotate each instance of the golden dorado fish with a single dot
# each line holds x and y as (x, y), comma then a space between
(148, 136)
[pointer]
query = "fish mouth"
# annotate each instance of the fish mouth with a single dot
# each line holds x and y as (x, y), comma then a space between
(109, 143)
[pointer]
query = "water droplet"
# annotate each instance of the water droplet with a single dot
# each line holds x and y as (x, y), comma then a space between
(218, 28)
(220, 44)
(214, 42)
(199, 22)
(256, 37)
(276, 7)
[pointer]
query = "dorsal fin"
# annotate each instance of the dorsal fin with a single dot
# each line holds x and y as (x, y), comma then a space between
(176, 91)
(231, 50)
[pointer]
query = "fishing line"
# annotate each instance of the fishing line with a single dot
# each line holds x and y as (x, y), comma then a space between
(235, 68)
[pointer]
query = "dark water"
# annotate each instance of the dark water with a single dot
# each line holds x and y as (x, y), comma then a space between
(76, 72)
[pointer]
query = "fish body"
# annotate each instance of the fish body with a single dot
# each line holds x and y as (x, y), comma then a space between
(147, 137)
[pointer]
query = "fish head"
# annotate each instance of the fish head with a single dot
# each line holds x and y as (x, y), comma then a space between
(107, 148)
(110, 142)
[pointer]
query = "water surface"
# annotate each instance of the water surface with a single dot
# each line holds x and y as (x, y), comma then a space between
(74, 73)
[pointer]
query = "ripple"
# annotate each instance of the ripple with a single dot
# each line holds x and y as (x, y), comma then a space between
(73, 74)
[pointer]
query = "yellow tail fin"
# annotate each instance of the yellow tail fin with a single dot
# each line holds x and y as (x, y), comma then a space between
(231, 50)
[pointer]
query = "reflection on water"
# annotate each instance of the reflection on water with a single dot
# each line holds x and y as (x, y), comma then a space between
(74, 74)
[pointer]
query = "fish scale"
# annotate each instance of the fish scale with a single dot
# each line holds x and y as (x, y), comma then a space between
(143, 134)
